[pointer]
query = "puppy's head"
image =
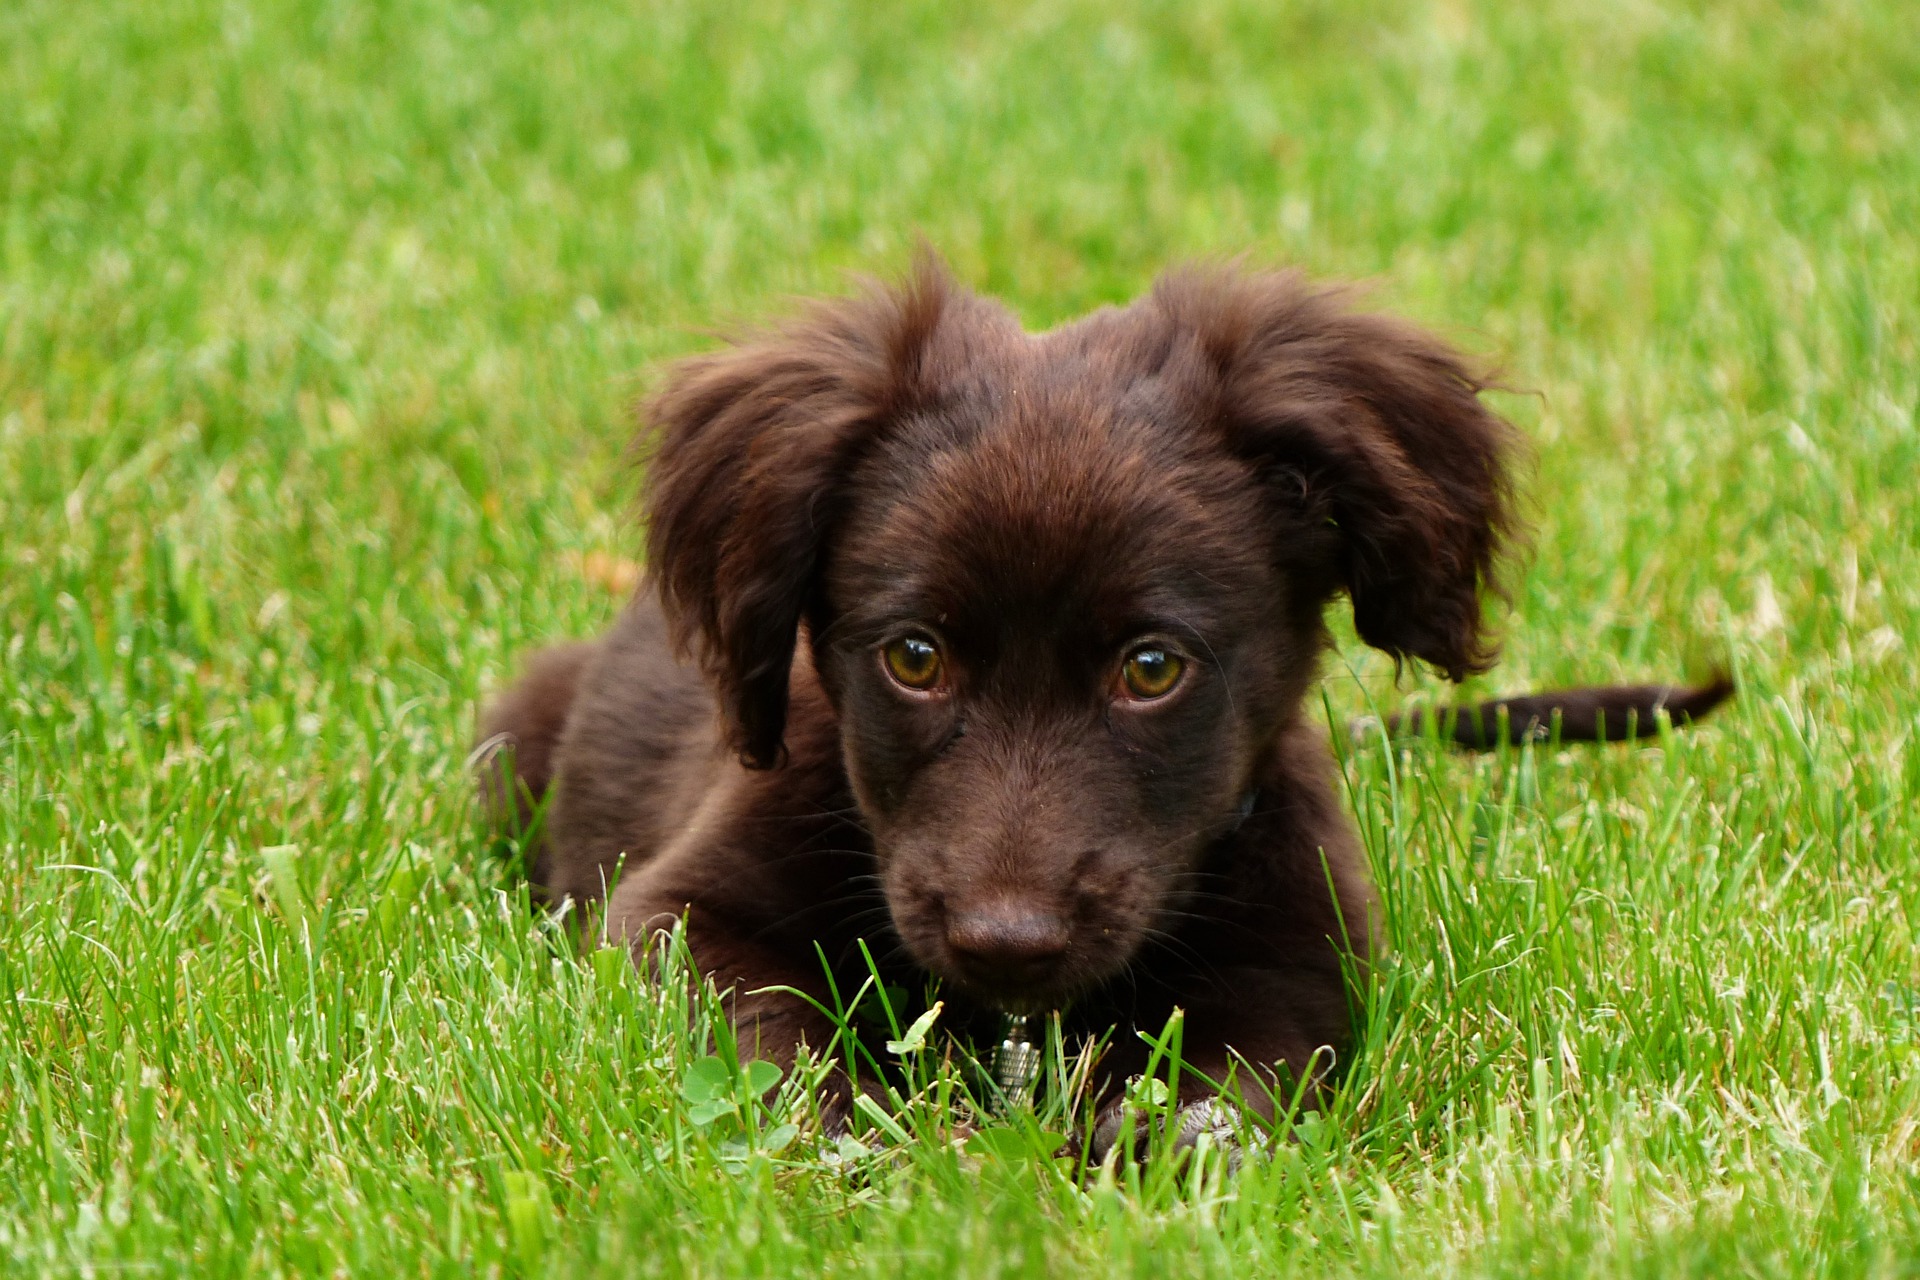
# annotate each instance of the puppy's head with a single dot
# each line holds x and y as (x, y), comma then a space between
(1065, 590)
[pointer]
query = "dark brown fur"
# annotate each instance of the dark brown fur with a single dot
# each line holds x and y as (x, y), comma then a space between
(1206, 469)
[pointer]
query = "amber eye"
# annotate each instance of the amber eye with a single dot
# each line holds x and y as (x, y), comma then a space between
(1151, 672)
(915, 662)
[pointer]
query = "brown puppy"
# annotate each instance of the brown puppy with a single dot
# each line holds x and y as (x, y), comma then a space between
(991, 648)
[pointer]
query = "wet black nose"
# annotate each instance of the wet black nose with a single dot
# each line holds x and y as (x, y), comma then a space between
(1007, 945)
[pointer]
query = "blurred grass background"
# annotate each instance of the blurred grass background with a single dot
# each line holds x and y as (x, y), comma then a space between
(319, 324)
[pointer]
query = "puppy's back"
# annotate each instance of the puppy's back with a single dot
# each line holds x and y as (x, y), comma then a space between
(638, 747)
(520, 731)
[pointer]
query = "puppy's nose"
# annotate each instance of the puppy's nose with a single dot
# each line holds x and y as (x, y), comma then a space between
(1007, 943)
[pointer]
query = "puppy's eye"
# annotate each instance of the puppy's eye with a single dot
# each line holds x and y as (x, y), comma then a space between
(915, 662)
(1151, 672)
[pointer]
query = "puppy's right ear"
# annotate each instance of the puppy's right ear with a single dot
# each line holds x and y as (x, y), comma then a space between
(750, 448)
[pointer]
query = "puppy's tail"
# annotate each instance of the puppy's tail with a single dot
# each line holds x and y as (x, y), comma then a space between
(1605, 713)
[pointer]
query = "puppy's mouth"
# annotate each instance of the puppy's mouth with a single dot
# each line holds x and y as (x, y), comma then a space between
(1017, 1001)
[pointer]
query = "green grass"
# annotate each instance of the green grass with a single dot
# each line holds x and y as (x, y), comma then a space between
(318, 324)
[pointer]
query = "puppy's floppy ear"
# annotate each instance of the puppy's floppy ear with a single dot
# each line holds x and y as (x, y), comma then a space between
(1373, 435)
(749, 448)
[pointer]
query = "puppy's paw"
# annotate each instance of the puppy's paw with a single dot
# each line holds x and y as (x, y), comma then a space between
(1212, 1118)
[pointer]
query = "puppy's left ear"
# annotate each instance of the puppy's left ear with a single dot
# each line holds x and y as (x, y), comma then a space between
(1386, 469)
(750, 447)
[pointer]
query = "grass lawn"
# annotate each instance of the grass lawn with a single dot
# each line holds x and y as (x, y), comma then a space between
(319, 321)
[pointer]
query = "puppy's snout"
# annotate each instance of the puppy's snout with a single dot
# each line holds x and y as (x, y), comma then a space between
(1007, 944)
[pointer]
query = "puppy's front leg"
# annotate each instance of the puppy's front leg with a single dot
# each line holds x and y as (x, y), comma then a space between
(739, 931)
(767, 995)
